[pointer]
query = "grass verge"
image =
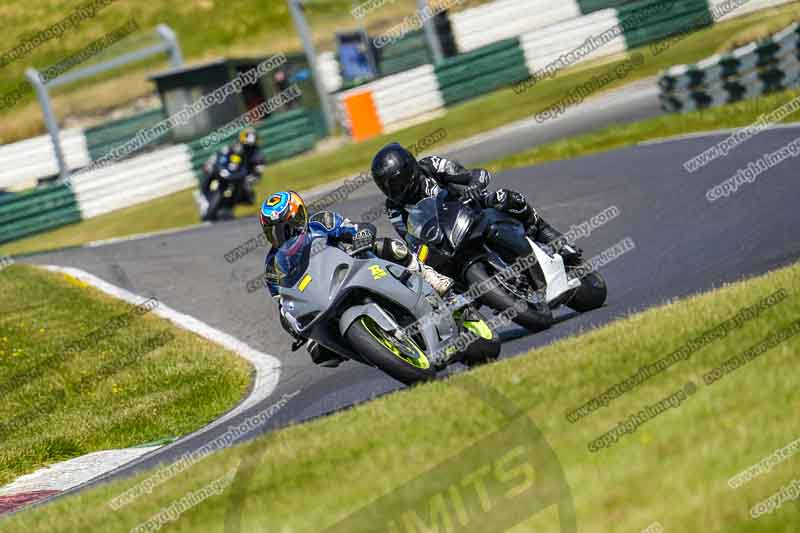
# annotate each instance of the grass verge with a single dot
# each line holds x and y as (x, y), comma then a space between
(80, 373)
(620, 135)
(172, 211)
(207, 30)
(674, 469)
(462, 121)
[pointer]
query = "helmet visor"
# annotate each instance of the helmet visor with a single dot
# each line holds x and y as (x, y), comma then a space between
(277, 234)
(399, 186)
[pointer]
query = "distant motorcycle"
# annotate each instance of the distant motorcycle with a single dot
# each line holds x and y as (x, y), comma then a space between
(487, 251)
(376, 312)
(224, 186)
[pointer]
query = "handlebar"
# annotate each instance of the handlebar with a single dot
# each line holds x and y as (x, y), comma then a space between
(355, 251)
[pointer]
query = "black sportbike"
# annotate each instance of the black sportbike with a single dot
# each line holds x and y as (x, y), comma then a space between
(491, 258)
(226, 184)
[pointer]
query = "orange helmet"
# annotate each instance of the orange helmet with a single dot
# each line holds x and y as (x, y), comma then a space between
(283, 215)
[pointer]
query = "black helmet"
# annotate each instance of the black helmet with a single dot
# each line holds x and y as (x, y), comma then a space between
(395, 172)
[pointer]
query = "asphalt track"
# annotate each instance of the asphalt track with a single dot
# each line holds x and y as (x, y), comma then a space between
(684, 245)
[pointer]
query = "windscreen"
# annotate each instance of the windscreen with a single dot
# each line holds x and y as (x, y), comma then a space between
(423, 221)
(291, 260)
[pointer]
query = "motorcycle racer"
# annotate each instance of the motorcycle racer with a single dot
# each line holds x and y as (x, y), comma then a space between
(285, 221)
(243, 158)
(405, 181)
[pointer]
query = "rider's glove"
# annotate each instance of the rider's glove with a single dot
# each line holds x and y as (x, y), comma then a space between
(570, 253)
(365, 236)
(474, 193)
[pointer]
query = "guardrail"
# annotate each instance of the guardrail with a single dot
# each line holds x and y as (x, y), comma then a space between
(105, 137)
(496, 21)
(284, 135)
(752, 70)
(507, 41)
(390, 103)
(135, 180)
(38, 210)
(23, 163)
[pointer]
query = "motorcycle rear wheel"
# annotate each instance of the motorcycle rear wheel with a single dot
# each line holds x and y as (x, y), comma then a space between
(533, 318)
(405, 361)
(590, 295)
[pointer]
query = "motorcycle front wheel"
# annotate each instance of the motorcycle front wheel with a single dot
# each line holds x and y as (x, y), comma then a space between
(404, 361)
(533, 318)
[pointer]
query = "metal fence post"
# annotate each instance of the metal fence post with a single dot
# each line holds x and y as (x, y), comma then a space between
(430, 33)
(170, 44)
(296, 9)
(175, 54)
(49, 119)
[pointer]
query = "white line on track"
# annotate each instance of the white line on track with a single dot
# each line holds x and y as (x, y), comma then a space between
(69, 474)
(138, 236)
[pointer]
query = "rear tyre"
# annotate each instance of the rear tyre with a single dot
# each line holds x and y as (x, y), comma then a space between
(534, 318)
(405, 361)
(590, 295)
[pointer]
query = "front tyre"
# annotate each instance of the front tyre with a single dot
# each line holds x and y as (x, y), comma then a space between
(486, 346)
(590, 295)
(404, 361)
(534, 318)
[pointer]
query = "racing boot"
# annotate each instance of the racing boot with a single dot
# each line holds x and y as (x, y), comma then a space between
(440, 283)
(542, 232)
(396, 251)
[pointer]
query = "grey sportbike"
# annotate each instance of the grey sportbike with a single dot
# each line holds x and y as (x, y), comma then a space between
(375, 312)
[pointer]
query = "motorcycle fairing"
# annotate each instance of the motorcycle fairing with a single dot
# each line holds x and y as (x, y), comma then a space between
(555, 274)
(334, 276)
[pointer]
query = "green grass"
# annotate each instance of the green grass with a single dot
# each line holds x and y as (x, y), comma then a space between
(207, 29)
(134, 384)
(673, 469)
(504, 106)
(172, 211)
(176, 209)
(462, 121)
(621, 135)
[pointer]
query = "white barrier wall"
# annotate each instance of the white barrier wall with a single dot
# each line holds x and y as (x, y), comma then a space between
(546, 45)
(23, 162)
(505, 19)
(547, 29)
(133, 181)
(407, 95)
(401, 99)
